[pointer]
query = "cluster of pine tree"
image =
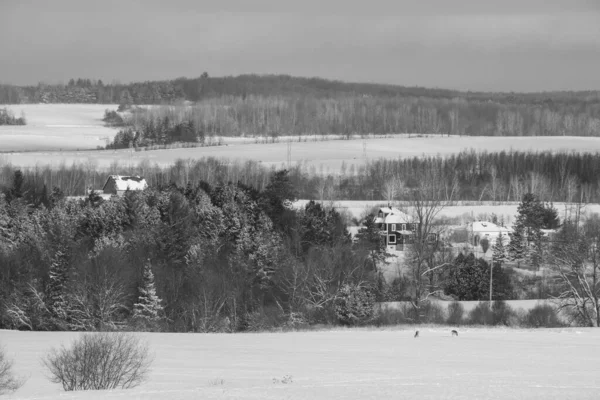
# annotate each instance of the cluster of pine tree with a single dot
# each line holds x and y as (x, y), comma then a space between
(191, 258)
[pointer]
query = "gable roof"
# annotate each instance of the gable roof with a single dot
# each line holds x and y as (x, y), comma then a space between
(393, 216)
(485, 226)
(127, 182)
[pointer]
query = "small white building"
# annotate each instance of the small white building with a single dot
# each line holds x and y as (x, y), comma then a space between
(119, 184)
(479, 230)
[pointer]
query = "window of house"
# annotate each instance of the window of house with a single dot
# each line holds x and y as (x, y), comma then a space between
(431, 238)
(393, 227)
(403, 227)
(392, 239)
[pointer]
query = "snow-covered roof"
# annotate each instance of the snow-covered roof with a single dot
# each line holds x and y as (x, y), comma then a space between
(484, 226)
(393, 216)
(128, 182)
(396, 219)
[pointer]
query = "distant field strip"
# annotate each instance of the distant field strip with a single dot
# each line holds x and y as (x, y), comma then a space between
(329, 155)
(57, 127)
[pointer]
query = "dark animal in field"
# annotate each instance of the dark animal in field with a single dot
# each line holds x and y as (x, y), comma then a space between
(417, 334)
(454, 333)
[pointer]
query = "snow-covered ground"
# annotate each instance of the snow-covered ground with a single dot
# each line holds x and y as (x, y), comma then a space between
(328, 155)
(57, 126)
(463, 212)
(345, 364)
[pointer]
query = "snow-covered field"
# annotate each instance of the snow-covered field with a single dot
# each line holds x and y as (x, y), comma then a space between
(346, 364)
(463, 212)
(57, 126)
(330, 155)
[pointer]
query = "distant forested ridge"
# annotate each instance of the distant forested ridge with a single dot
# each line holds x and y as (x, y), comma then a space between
(284, 105)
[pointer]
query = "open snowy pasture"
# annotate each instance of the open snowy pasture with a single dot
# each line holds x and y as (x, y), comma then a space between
(57, 126)
(345, 364)
(462, 212)
(329, 155)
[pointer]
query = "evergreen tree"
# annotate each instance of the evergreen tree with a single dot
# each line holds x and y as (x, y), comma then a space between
(485, 245)
(45, 197)
(517, 248)
(56, 196)
(7, 235)
(498, 251)
(532, 217)
(126, 101)
(277, 199)
(56, 289)
(148, 308)
(370, 239)
(16, 192)
(321, 227)
(469, 280)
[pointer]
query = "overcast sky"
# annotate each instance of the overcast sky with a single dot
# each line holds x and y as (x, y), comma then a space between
(506, 45)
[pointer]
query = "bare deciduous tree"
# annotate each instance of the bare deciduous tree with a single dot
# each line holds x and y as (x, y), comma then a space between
(426, 202)
(576, 261)
(392, 188)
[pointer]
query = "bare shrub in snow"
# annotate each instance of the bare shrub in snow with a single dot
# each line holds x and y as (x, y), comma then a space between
(496, 313)
(8, 381)
(544, 316)
(98, 361)
(389, 316)
(455, 313)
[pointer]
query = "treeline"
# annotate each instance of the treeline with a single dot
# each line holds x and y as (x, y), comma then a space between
(194, 89)
(283, 105)
(275, 116)
(500, 176)
(7, 117)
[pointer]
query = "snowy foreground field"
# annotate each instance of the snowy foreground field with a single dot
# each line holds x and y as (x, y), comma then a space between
(346, 364)
(330, 155)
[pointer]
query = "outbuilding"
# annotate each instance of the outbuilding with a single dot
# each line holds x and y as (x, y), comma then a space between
(119, 184)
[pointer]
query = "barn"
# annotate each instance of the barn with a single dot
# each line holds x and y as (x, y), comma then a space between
(119, 184)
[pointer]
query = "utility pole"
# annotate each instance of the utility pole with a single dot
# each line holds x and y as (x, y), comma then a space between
(491, 278)
(130, 157)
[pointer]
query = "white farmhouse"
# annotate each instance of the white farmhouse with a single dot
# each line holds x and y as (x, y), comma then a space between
(483, 229)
